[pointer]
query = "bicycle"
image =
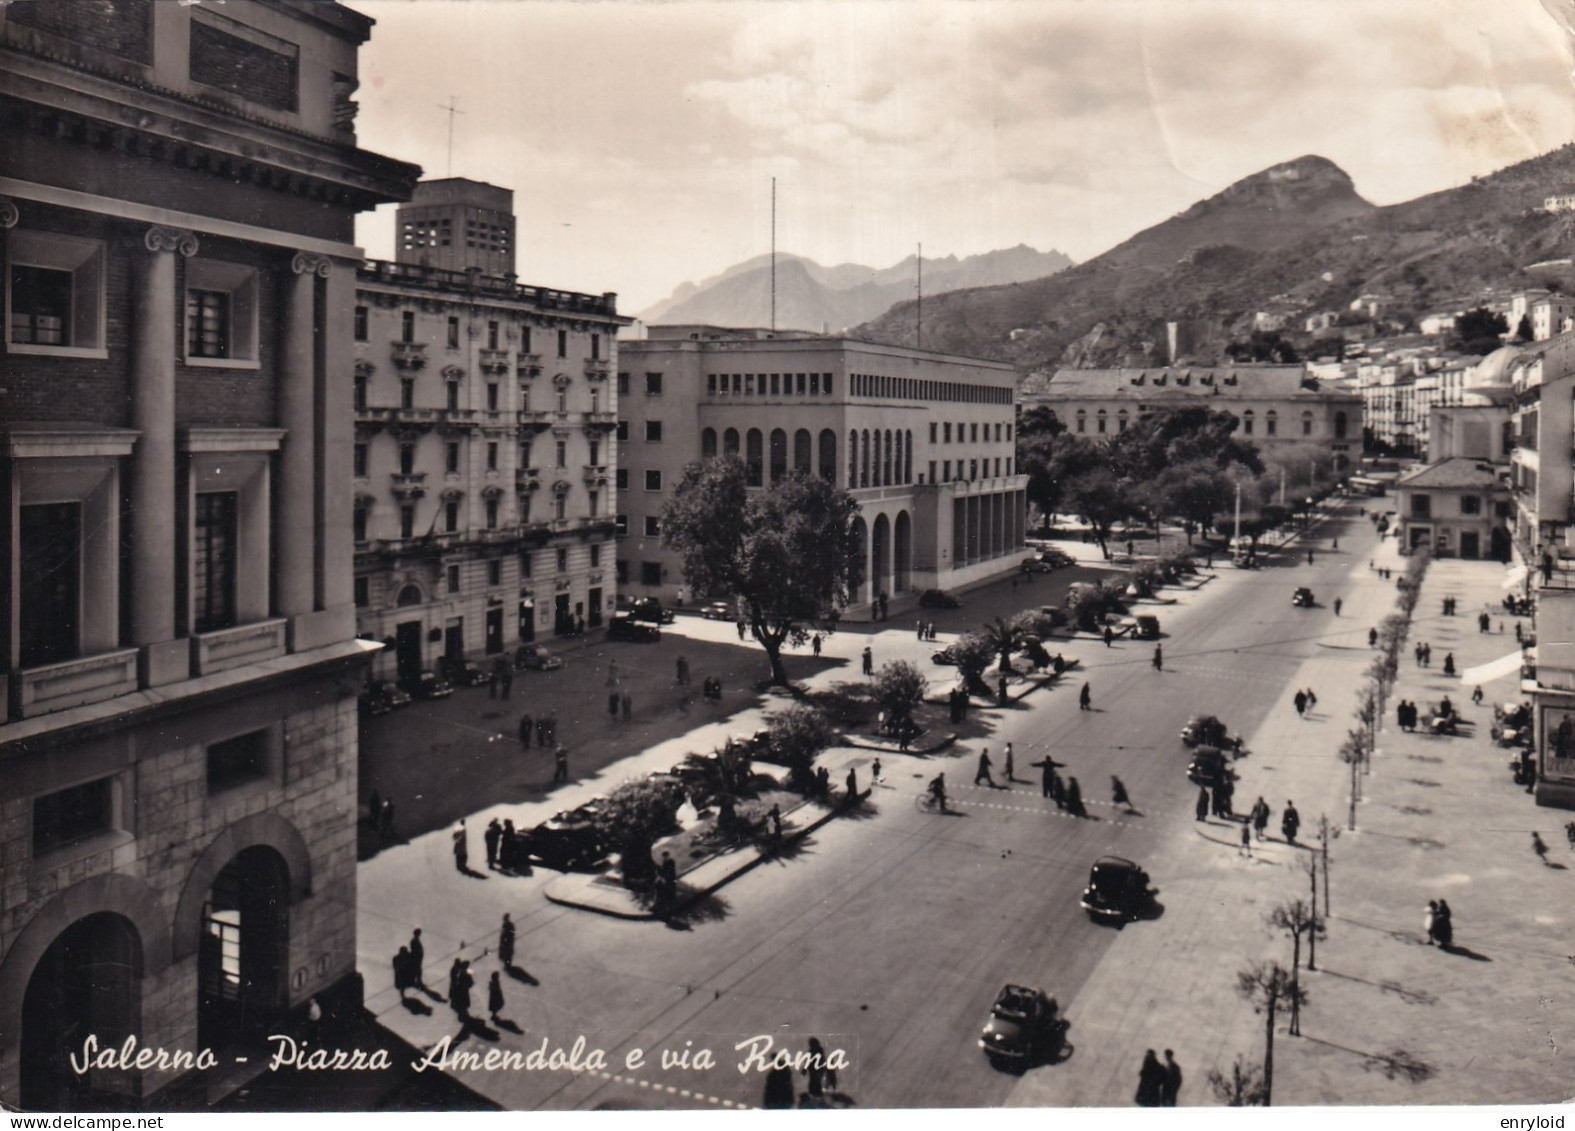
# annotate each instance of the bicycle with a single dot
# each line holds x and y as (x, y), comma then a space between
(928, 802)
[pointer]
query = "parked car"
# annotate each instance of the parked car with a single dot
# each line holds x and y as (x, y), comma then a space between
(718, 610)
(938, 599)
(431, 685)
(1207, 730)
(1209, 767)
(568, 842)
(382, 697)
(1117, 890)
(946, 655)
(536, 658)
(650, 609)
(1024, 1025)
(1146, 626)
(1303, 598)
(463, 673)
(623, 626)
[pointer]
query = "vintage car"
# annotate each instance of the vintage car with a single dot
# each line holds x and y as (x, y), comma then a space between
(938, 599)
(623, 626)
(1303, 598)
(1209, 767)
(431, 685)
(536, 658)
(719, 610)
(568, 842)
(1117, 890)
(382, 697)
(650, 609)
(462, 673)
(1146, 626)
(946, 655)
(1024, 1025)
(1207, 730)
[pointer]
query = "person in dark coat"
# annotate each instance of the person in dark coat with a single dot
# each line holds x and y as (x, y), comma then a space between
(1260, 817)
(1058, 791)
(1203, 803)
(494, 997)
(1430, 922)
(1159, 658)
(1046, 776)
(1118, 793)
(780, 1093)
(612, 705)
(1172, 1086)
(560, 765)
(417, 958)
(1372, 638)
(491, 838)
(667, 876)
(1290, 822)
(1151, 1079)
(816, 1070)
(1443, 924)
(506, 941)
(1074, 798)
(526, 727)
(402, 971)
(1085, 699)
(869, 661)
(1300, 699)
(1449, 663)
(461, 848)
(853, 786)
(462, 986)
(982, 774)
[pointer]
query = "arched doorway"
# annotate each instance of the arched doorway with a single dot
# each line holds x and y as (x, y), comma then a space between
(903, 552)
(89, 982)
(243, 949)
(880, 557)
(861, 545)
(1499, 545)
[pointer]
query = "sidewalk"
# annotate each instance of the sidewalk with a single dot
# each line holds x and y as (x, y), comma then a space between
(1389, 1020)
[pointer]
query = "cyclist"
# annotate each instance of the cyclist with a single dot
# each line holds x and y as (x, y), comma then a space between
(938, 791)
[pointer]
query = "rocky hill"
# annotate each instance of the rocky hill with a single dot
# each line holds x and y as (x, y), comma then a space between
(813, 297)
(1296, 236)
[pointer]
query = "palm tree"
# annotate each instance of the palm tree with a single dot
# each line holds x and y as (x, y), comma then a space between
(1003, 640)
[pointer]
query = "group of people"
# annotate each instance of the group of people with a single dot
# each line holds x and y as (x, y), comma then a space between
(1424, 654)
(926, 630)
(408, 974)
(1305, 701)
(1158, 1084)
(1068, 795)
(1220, 800)
(620, 703)
(1406, 713)
(507, 848)
(1440, 930)
(545, 729)
(501, 681)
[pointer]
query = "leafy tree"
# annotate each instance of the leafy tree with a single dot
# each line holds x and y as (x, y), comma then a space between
(1051, 462)
(1480, 331)
(1264, 345)
(634, 815)
(1087, 607)
(898, 689)
(1003, 638)
(1039, 420)
(1195, 493)
(974, 653)
(1269, 986)
(1100, 498)
(789, 552)
(1163, 440)
(798, 733)
(1524, 332)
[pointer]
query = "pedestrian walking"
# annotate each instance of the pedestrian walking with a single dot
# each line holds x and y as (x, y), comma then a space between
(560, 767)
(1484, 622)
(1430, 921)
(1300, 699)
(982, 774)
(506, 678)
(683, 672)
(1309, 557)
(1427, 655)
(1172, 1086)
(1312, 700)
(869, 661)
(417, 959)
(490, 838)
(612, 705)
(1085, 699)
(853, 786)
(626, 705)
(1538, 847)
(875, 778)
(1246, 842)
(1007, 766)
(461, 848)
(506, 941)
(1047, 776)
(667, 880)
(1151, 1078)
(815, 644)
(740, 628)
(1260, 817)
(1372, 638)
(1290, 822)
(402, 972)
(1118, 793)
(1201, 809)
(1476, 695)
(775, 817)
(526, 727)
(1074, 798)
(460, 998)
(1337, 604)
(1444, 925)
(494, 998)
(919, 629)
(541, 731)
(1110, 634)
(1159, 658)
(1417, 652)
(1449, 663)
(823, 783)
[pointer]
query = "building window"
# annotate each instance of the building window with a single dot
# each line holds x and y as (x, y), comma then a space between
(238, 760)
(361, 324)
(653, 526)
(596, 555)
(621, 524)
(562, 454)
(622, 478)
(653, 480)
(1271, 423)
(1470, 504)
(70, 815)
(946, 472)
(592, 504)
(407, 392)
(363, 592)
(525, 564)
(708, 443)
(56, 299)
(653, 431)
(451, 457)
(407, 326)
(563, 343)
(1246, 423)
(1307, 423)
(453, 579)
(973, 433)
(407, 521)
(491, 508)
(621, 571)
(934, 428)
(407, 459)
(596, 347)
(495, 571)
(221, 312)
(623, 384)
(492, 335)
(946, 433)
(213, 561)
(453, 332)
(596, 452)
(560, 506)
(650, 573)
(358, 516)
(492, 455)
(1082, 420)
(563, 400)
(563, 559)
(623, 431)
(51, 566)
(1421, 506)
(358, 459)
(360, 392)
(653, 384)
(451, 516)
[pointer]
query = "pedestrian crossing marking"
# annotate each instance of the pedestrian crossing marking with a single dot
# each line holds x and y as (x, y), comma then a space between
(671, 1090)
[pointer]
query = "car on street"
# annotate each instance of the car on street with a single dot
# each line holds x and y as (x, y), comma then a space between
(1118, 890)
(1209, 767)
(650, 609)
(1024, 1025)
(946, 655)
(938, 599)
(462, 673)
(569, 842)
(382, 697)
(1303, 598)
(536, 658)
(718, 610)
(623, 626)
(431, 685)
(1208, 730)
(1146, 626)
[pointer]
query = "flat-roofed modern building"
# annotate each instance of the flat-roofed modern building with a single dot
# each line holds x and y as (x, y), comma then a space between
(922, 440)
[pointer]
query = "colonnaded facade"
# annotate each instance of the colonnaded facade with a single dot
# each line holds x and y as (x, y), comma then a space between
(924, 441)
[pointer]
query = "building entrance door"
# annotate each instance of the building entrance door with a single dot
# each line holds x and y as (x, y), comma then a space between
(562, 622)
(407, 651)
(527, 620)
(245, 942)
(494, 631)
(454, 640)
(594, 600)
(1470, 544)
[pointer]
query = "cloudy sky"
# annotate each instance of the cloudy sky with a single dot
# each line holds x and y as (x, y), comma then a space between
(640, 136)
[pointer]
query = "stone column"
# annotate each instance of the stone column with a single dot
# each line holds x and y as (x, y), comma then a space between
(163, 659)
(298, 503)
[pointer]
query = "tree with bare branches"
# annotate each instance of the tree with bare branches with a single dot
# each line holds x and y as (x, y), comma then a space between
(1268, 986)
(1296, 919)
(1241, 1087)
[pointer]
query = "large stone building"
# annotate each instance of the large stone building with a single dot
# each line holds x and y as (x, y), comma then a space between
(1281, 408)
(178, 661)
(922, 440)
(484, 451)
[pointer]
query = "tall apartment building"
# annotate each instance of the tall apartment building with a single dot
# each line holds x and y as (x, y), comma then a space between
(484, 441)
(178, 661)
(922, 440)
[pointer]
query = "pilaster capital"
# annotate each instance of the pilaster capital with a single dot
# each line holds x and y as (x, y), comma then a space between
(160, 238)
(307, 264)
(8, 213)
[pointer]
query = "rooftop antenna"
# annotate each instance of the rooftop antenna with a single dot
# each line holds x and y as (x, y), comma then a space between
(452, 110)
(773, 255)
(918, 309)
